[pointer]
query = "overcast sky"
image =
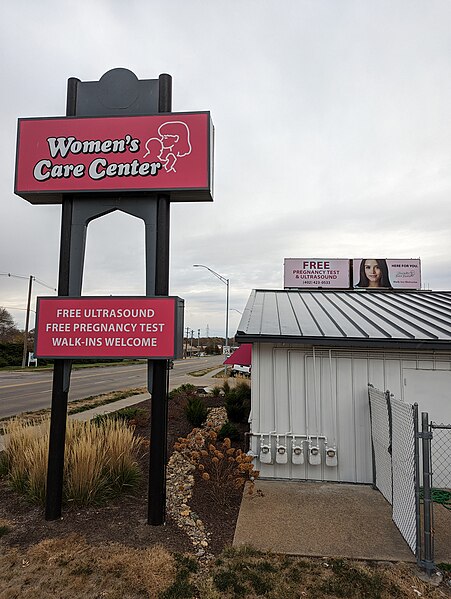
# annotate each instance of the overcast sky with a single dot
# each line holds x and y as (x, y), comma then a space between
(333, 138)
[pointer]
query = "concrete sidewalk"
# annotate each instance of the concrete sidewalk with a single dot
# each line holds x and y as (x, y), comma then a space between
(207, 381)
(109, 407)
(320, 519)
(105, 409)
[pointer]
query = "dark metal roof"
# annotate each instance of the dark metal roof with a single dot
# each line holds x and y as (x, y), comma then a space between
(396, 319)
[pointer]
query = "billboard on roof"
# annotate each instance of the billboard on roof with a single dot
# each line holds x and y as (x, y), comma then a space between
(383, 273)
(316, 273)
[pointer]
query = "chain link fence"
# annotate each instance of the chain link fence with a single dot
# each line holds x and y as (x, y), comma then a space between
(441, 456)
(417, 487)
(440, 492)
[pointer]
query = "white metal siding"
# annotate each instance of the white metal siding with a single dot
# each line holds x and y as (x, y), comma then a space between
(288, 397)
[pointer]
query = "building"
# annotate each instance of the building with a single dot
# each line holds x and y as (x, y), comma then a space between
(314, 354)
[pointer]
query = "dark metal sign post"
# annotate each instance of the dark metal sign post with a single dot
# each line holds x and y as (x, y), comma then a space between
(117, 93)
(159, 414)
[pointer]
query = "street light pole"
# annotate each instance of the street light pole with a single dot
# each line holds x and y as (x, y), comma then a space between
(227, 314)
(227, 283)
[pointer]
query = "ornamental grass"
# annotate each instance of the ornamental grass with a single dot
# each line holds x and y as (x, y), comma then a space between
(101, 461)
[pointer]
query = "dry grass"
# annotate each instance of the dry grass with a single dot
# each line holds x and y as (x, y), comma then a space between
(101, 459)
(36, 456)
(122, 448)
(250, 574)
(71, 568)
(85, 481)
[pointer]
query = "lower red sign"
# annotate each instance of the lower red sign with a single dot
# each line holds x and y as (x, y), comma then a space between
(107, 327)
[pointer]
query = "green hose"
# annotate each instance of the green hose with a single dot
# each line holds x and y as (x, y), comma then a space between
(441, 496)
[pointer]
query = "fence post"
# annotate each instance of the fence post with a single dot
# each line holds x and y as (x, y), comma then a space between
(426, 436)
(417, 481)
(373, 454)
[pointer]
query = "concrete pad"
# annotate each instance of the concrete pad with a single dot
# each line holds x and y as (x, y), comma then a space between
(320, 519)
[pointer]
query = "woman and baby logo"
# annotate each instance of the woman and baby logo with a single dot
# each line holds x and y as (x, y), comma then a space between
(172, 144)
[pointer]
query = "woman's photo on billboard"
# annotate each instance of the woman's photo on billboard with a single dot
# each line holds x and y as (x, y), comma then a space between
(374, 273)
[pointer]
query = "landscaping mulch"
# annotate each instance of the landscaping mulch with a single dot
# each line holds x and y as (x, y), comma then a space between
(124, 520)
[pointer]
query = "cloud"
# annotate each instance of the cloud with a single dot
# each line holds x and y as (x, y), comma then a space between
(332, 124)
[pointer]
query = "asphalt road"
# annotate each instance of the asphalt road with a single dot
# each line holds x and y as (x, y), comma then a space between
(22, 391)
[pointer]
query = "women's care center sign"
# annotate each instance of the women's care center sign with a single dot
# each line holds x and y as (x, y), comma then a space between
(165, 152)
(108, 327)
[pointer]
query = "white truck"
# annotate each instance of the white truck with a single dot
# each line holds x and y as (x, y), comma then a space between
(238, 369)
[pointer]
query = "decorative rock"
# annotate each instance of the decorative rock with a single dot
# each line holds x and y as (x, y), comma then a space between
(180, 482)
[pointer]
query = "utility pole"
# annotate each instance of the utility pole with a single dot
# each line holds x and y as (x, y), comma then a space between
(27, 323)
(186, 343)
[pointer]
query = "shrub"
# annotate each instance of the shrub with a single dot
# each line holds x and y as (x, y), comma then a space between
(225, 468)
(185, 389)
(131, 415)
(216, 391)
(229, 430)
(238, 402)
(11, 354)
(196, 411)
(226, 387)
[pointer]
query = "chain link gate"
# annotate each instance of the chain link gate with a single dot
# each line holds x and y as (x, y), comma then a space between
(394, 428)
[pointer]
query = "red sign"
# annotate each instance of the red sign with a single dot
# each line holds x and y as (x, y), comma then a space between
(164, 152)
(107, 327)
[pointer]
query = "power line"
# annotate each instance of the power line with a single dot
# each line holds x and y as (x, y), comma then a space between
(43, 283)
